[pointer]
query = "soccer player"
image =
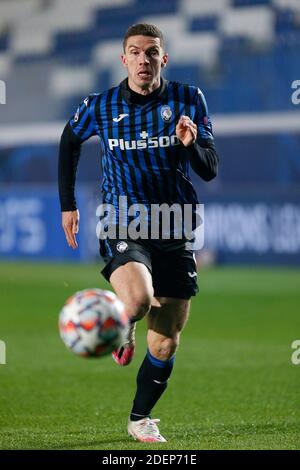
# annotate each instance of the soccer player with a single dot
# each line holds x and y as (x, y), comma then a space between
(151, 131)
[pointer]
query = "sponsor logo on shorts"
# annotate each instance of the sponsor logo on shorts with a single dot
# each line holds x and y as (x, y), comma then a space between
(122, 247)
(194, 274)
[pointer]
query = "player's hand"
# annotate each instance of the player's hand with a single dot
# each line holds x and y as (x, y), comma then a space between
(70, 223)
(186, 131)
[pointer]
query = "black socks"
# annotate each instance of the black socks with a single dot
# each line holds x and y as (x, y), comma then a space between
(151, 382)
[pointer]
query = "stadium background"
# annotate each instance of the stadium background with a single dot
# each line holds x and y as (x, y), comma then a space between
(244, 55)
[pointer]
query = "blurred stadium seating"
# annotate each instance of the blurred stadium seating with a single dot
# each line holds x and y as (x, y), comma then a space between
(243, 54)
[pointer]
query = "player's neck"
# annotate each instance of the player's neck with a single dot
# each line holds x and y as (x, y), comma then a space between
(144, 91)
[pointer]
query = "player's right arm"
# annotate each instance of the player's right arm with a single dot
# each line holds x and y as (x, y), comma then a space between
(78, 129)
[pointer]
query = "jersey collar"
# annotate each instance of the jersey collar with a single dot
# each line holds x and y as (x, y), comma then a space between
(127, 95)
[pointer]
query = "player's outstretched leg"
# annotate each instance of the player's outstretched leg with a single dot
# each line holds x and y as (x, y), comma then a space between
(132, 283)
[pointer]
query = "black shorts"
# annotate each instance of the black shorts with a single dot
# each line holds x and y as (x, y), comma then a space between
(171, 264)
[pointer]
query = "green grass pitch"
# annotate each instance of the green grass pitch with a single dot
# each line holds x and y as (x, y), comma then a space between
(233, 386)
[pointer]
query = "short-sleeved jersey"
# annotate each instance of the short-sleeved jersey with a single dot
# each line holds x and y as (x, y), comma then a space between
(141, 156)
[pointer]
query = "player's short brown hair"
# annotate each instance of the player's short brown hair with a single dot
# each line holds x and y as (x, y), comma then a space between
(144, 29)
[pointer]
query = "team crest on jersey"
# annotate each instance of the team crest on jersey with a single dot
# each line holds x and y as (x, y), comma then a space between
(166, 113)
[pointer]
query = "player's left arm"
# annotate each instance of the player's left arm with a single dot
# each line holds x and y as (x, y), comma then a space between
(198, 140)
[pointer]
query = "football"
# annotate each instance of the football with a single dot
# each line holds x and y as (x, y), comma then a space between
(93, 323)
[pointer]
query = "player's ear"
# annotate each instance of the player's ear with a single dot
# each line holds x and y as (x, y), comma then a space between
(124, 60)
(164, 60)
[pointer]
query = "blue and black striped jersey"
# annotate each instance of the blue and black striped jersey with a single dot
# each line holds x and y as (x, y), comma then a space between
(141, 156)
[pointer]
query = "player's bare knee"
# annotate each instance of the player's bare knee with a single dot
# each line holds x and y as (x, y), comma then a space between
(165, 348)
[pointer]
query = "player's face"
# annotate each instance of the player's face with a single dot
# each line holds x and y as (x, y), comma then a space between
(144, 58)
